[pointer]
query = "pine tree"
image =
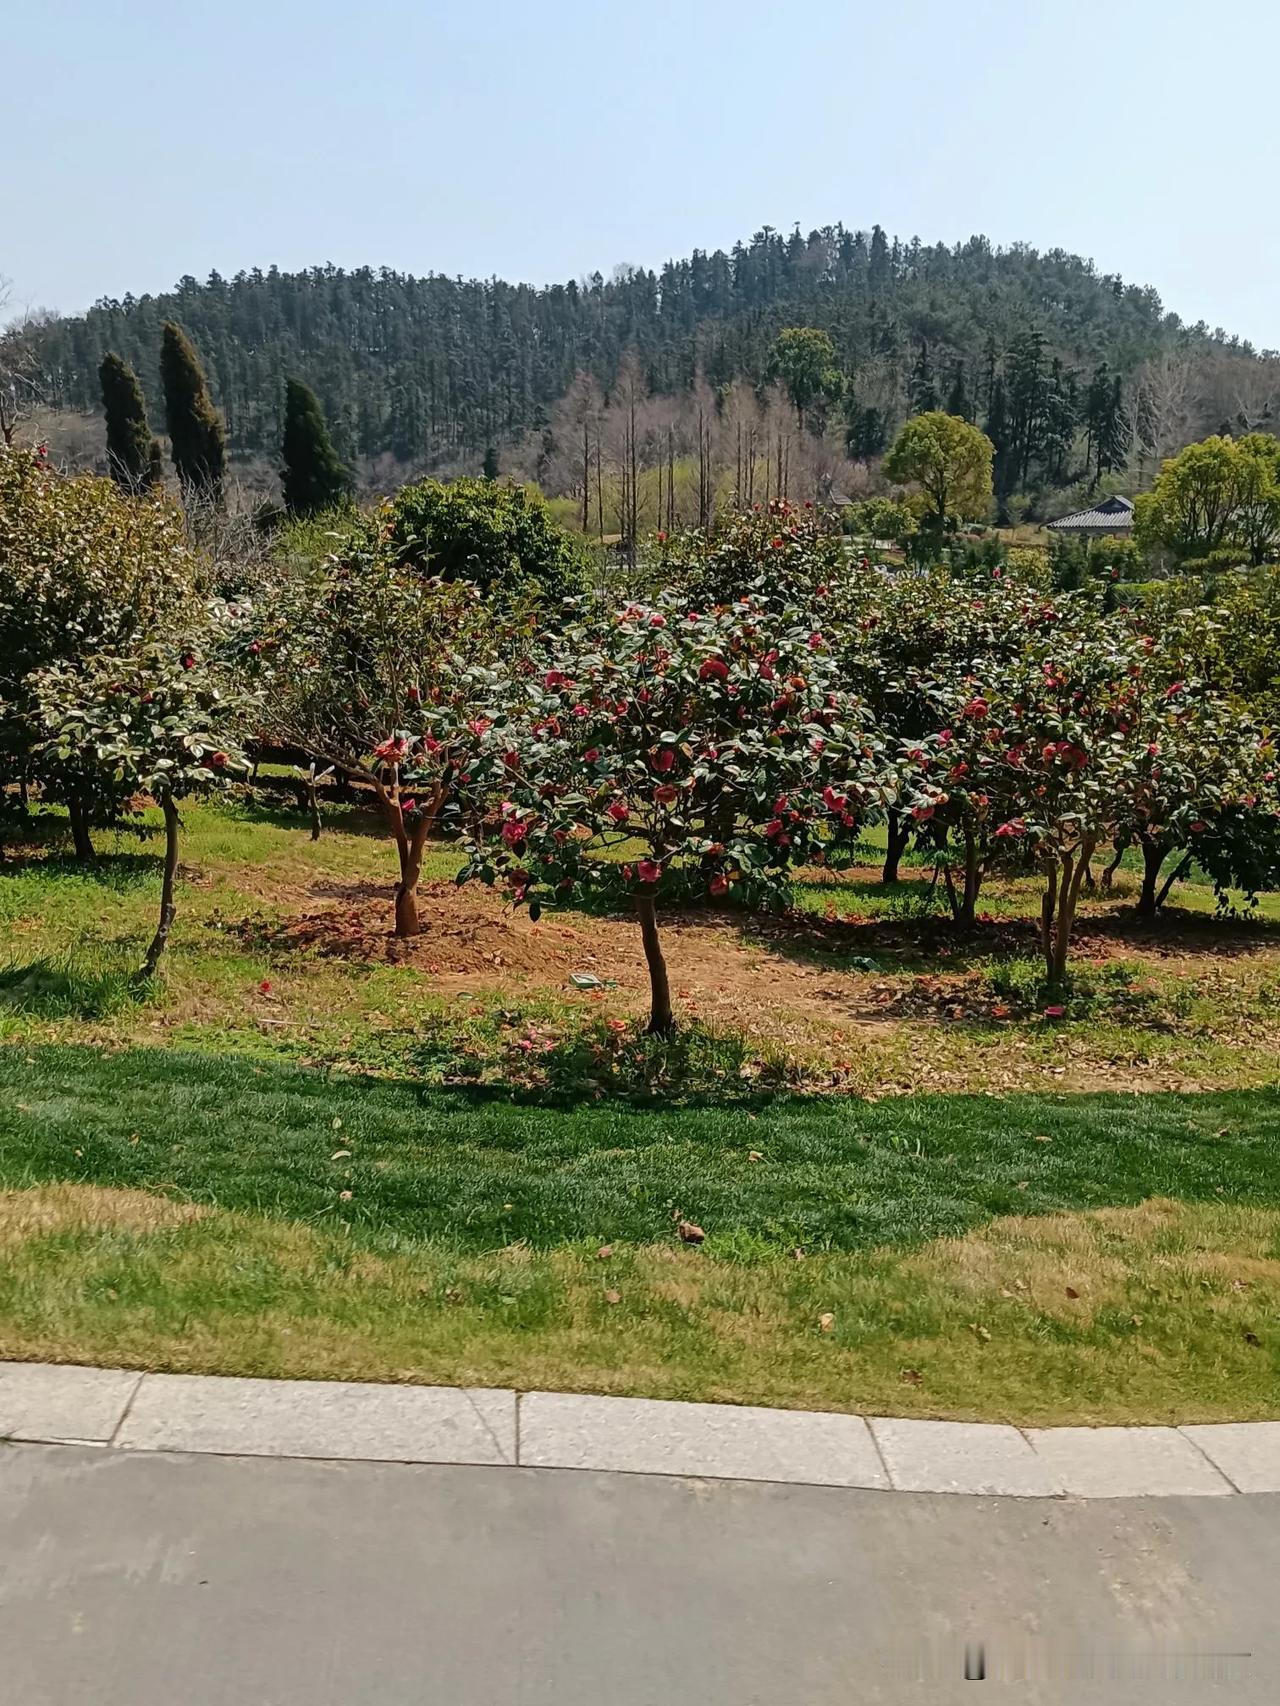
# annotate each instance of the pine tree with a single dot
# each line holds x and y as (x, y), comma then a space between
(921, 390)
(491, 469)
(958, 398)
(312, 476)
(196, 433)
(130, 446)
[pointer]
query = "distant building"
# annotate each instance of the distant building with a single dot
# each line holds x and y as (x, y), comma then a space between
(1113, 516)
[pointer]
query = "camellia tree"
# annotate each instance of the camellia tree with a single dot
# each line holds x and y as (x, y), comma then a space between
(664, 749)
(158, 721)
(777, 552)
(86, 569)
(364, 662)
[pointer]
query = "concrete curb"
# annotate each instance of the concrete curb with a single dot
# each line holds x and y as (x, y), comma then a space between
(127, 1411)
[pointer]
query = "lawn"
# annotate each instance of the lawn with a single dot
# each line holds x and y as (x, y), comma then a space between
(312, 1151)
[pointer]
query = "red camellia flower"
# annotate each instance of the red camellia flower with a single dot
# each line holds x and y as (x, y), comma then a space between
(188, 661)
(392, 750)
(977, 708)
(773, 828)
(662, 538)
(414, 695)
(777, 543)
(718, 885)
(663, 759)
(666, 794)
(713, 669)
(218, 760)
(618, 812)
(657, 620)
(591, 754)
(1012, 830)
(648, 870)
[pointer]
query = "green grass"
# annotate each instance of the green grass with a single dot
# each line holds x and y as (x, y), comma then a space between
(467, 1247)
(280, 1162)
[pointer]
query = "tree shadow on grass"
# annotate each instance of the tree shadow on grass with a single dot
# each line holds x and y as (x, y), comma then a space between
(121, 872)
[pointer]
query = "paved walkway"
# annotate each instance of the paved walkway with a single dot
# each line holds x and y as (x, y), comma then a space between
(140, 1578)
(127, 1411)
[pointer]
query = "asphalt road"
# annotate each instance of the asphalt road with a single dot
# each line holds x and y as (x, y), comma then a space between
(147, 1580)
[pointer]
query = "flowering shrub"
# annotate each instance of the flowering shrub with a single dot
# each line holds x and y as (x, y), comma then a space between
(159, 721)
(774, 553)
(663, 746)
(85, 569)
(367, 666)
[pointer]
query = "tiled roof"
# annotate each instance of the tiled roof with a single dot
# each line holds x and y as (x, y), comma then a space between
(1111, 514)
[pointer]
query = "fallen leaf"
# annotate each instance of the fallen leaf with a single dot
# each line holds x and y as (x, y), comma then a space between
(1042, 1139)
(1135, 1320)
(337, 1123)
(689, 1233)
(911, 1377)
(344, 1196)
(604, 1252)
(979, 1332)
(613, 1297)
(754, 1155)
(1072, 1292)
(797, 1254)
(826, 1321)
(340, 1155)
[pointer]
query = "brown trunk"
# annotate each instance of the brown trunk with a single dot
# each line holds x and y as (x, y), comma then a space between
(80, 837)
(899, 828)
(1048, 906)
(1073, 869)
(972, 883)
(661, 1019)
(161, 937)
(1153, 856)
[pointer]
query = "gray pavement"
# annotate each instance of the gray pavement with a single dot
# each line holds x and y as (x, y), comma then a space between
(143, 1578)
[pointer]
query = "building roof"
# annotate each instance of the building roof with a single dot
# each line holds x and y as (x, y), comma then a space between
(1112, 515)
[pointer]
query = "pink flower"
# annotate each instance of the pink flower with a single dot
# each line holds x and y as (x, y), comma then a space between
(619, 812)
(1012, 830)
(392, 749)
(554, 678)
(816, 642)
(1055, 1012)
(946, 736)
(513, 833)
(591, 754)
(648, 871)
(480, 725)
(657, 620)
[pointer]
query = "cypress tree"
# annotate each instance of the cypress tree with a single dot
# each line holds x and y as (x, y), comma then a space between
(313, 476)
(491, 468)
(196, 432)
(129, 440)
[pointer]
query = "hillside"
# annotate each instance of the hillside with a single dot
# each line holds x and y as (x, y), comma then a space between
(429, 371)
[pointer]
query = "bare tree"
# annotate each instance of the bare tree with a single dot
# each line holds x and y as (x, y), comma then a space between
(21, 388)
(1161, 411)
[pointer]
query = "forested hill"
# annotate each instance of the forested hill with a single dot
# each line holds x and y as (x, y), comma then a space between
(434, 368)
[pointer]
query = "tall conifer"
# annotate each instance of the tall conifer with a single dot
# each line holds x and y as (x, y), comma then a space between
(196, 433)
(312, 476)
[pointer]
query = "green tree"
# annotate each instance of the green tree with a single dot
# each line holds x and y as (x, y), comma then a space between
(133, 455)
(493, 535)
(1258, 516)
(1193, 513)
(949, 461)
(313, 477)
(196, 432)
(491, 468)
(958, 402)
(804, 359)
(159, 720)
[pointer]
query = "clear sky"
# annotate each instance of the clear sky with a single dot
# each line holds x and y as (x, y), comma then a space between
(544, 139)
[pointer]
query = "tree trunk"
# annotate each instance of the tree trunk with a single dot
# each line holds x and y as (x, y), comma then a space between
(80, 838)
(972, 884)
(1153, 857)
(1061, 918)
(661, 1019)
(313, 804)
(899, 829)
(161, 937)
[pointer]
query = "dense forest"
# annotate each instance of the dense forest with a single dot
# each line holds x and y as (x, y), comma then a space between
(1072, 373)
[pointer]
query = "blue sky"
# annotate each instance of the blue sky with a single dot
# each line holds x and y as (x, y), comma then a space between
(541, 141)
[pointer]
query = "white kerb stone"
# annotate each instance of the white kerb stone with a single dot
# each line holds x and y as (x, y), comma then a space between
(315, 1418)
(1113, 1463)
(649, 1436)
(961, 1457)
